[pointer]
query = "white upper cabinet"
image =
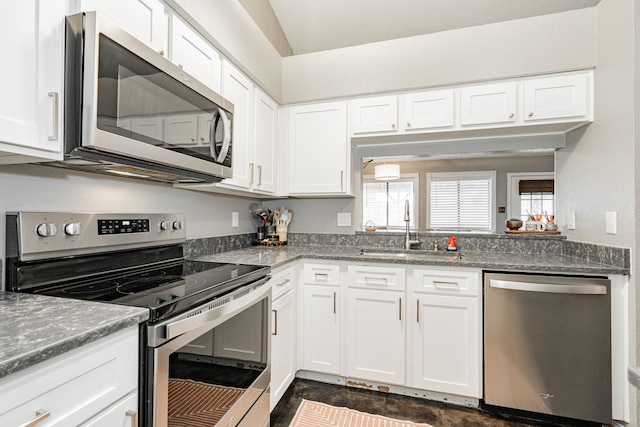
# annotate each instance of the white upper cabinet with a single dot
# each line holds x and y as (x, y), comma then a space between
(194, 54)
(378, 114)
(146, 20)
(428, 110)
(556, 97)
(319, 149)
(237, 88)
(31, 81)
(265, 142)
(488, 104)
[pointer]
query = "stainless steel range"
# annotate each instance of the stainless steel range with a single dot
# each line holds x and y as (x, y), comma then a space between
(208, 331)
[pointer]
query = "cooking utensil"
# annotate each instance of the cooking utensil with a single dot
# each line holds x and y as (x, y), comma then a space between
(276, 217)
(289, 216)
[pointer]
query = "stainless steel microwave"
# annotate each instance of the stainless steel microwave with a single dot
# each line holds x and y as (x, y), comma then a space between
(129, 111)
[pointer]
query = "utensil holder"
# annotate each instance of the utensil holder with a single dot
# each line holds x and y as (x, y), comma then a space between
(281, 231)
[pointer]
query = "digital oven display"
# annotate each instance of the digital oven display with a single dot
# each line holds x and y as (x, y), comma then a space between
(122, 226)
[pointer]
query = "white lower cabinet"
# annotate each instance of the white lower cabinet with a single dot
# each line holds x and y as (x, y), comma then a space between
(94, 385)
(376, 335)
(284, 331)
(446, 331)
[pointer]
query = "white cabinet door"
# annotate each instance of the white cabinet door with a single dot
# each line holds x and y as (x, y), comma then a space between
(31, 79)
(556, 97)
(488, 104)
(320, 329)
(146, 20)
(319, 149)
(120, 414)
(237, 88)
(284, 344)
(428, 110)
(446, 344)
(378, 114)
(265, 139)
(193, 53)
(376, 335)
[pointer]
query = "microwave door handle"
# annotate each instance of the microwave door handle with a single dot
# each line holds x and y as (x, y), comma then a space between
(212, 135)
(226, 135)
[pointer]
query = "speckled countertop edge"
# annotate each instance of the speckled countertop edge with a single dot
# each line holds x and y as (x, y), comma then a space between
(276, 256)
(36, 328)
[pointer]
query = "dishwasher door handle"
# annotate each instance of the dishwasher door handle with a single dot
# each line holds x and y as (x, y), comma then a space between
(588, 289)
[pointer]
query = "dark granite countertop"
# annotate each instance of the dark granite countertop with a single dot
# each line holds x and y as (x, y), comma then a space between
(36, 328)
(278, 255)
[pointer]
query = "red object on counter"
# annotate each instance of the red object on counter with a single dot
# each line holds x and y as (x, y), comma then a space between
(452, 245)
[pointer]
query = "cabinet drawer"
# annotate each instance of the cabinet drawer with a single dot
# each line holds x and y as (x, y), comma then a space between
(75, 386)
(321, 274)
(376, 277)
(283, 279)
(450, 282)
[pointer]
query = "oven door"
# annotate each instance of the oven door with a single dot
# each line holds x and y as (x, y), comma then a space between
(135, 103)
(212, 367)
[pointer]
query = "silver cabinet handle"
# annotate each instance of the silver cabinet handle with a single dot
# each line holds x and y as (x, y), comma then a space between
(334, 303)
(317, 276)
(250, 173)
(342, 180)
(134, 417)
(511, 116)
(418, 310)
(550, 288)
(531, 114)
(161, 52)
(259, 176)
(445, 283)
(375, 279)
(400, 308)
(41, 415)
(284, 282)
(408, 124)
(275, 322)
(55, 129)
(393, 125)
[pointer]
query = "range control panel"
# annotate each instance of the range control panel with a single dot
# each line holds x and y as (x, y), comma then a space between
(44, 235)
(119, 226)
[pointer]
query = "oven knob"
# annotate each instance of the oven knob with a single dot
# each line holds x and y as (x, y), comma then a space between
(46, 230)
(72, 229)
(178, 225)
(165, 225)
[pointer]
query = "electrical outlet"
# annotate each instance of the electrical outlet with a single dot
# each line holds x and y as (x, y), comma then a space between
(344, 219)
(235, 218)
(611, 222)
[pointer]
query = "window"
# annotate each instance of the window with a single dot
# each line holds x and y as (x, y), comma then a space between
(531, 193)
(383, 202)
(461, 201)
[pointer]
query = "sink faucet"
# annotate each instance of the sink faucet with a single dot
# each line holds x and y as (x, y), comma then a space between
(407, 238)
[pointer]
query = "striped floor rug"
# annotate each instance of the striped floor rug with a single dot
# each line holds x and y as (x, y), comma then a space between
(315, 414)
(196, 404)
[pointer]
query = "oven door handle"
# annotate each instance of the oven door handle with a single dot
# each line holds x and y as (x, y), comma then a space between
(179, 327)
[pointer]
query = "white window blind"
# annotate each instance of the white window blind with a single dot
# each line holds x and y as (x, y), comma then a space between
(383, 202)
(461, 201)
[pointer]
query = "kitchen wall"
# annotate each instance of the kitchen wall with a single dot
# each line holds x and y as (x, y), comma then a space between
(543, 44)
(40, 188)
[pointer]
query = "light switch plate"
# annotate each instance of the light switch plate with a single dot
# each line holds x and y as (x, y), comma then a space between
(571, 220)
(344, 219)
(234, 219)
(611, 221)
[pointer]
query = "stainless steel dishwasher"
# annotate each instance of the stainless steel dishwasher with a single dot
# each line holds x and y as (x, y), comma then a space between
(547, 345)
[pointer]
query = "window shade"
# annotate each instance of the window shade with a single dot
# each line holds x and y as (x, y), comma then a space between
(527, 186)
(461, 201)
(383, 202)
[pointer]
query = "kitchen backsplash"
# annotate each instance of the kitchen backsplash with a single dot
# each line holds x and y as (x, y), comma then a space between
(496, 243)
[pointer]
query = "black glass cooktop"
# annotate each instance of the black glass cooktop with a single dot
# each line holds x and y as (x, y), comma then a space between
(165, 285)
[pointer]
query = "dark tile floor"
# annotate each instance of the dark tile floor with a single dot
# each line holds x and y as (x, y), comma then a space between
(391, 405)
